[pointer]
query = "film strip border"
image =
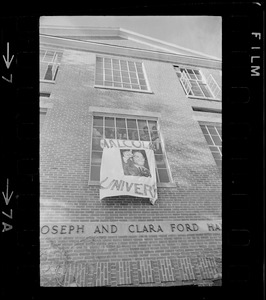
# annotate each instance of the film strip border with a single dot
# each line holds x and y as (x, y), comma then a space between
(19, 88)
(243, 86)
(199, 271)
(243, 160)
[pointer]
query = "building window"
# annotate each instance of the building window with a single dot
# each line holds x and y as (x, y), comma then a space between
(120, 74)
(43, 112)
(213, 136)
(195, 85)
(127, 128)
(49, 64)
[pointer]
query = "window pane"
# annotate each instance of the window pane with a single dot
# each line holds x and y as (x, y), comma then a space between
(141, 76)
(131, 123)
(131, 66)
(217, 140)
(108, 72)
(196, 90)
(99, 82)
(120, 122)
(143, 130)
(144, 87)
(96, 144)
(133, 75)
(212, 130)
(121, 134)
(99, 77)
(134, 80)
(219, 130)
(107, 66)
(154, 135)
(96, 158)
(115, 61)
(214, 149)
(127, 86)
(99, 65)
(216, 155)
(99, 70)
(42, 118)
(191, 74)
(158, 149)
(108, 78)
(116, 84)
(123, 65)
(144, 134)
(110, 133)
(126, 80)
(205, 90)
(49, 73)
(99, 59)
(208, 139)
(49, 56)
(163, 175)
(97, 132)
(204, 130)
(152, 125)
(160, 163)
(107, 60)
(133, 135)
(142, 82)
(97, 121)
(95, 173)
(134, 86)
(108, 83)
(116, 73)
(142, 123)
(109, 122)
(218, 162)
(116, 67)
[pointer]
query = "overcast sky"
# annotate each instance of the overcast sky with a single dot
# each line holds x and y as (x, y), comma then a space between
(200, 33)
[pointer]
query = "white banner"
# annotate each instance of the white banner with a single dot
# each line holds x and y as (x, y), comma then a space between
(128, 168)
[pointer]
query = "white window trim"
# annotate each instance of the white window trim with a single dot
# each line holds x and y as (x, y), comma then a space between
(47, 81)
(122, 89)
(132, 114)
(56, 65)
(215, 124)
(148, 91)
(204, 81)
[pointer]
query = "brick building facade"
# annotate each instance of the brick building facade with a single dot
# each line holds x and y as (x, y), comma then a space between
(96, 79)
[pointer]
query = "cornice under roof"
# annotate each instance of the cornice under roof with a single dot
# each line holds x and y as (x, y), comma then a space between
(107, 32)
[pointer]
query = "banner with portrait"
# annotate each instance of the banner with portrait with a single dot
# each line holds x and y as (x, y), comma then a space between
(128, 168)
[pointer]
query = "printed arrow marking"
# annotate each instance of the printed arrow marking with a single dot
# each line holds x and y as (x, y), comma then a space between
(7, 199)
(8, 80)
(7, 61)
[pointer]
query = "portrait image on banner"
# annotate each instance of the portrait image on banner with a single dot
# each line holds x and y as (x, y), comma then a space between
(128, 169)
(135, 163)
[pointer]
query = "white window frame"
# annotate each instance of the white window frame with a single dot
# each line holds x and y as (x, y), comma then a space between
(215, 124)
(210, 83)
(123, 88)
(54, 63)
(133, 115)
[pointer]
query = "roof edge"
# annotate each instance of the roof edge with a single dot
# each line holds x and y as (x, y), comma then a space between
(162, 44)
(64, 31)
(80, 30)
